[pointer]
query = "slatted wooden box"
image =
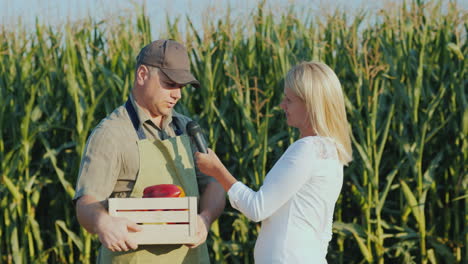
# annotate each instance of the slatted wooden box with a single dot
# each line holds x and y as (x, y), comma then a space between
(163, 220)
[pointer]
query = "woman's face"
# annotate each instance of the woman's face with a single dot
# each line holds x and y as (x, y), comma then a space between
(295, 109)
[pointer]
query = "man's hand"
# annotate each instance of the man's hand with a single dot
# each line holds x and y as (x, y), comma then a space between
(202, 231)
(113, 233)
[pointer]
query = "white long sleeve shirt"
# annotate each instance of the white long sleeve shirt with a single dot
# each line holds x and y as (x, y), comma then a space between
(295, 203)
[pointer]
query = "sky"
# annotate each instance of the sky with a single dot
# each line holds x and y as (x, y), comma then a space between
(57, 12)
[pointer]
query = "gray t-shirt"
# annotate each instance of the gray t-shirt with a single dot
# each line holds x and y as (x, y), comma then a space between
(110, 161)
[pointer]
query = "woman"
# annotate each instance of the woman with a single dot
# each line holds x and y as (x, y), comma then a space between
(298, 196)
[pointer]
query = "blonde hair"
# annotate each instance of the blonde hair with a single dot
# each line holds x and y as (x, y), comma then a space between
(319, 87)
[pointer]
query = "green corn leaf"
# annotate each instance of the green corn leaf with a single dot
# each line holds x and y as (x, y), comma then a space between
(390, 177)
(71, 235)
(452, 47)
(12, 188)
(358, 233)
(412, 202)
(442, 250)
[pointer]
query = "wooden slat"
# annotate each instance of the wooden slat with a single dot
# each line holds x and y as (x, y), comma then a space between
(148, 203)
(193, 216)
(162, 234)
(155, 216)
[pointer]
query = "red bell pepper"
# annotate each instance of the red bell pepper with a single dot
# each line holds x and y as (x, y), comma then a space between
(163, 190)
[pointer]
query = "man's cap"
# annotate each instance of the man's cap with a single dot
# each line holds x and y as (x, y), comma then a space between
(171, 58)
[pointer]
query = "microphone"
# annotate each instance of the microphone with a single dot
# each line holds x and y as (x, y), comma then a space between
(195, 132)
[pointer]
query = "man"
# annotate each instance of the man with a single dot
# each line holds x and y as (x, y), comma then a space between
(127, 152)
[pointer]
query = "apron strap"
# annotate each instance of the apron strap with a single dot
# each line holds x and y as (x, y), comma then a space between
(134, 118)
(177, 126)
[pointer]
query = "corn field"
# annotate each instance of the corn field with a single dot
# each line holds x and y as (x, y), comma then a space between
(403, 70)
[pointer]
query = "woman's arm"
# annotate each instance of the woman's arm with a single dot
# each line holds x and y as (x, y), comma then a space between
(283, 181)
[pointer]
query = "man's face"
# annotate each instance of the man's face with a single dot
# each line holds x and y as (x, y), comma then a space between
(160, 94)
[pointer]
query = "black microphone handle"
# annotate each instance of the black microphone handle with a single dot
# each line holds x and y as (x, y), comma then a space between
(198, 138)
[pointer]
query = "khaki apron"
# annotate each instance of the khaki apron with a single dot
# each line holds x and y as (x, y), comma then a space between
(167, 161)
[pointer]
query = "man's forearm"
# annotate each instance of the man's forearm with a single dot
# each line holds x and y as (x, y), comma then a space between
(212, 202)
(89, 211)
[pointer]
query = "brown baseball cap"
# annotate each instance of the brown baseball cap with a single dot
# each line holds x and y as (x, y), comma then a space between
(171, 58)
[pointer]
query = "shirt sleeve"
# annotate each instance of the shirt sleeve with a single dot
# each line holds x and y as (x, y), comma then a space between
(283, 181)
(99, 167)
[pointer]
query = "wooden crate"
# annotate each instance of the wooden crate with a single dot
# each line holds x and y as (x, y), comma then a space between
(163, 220)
